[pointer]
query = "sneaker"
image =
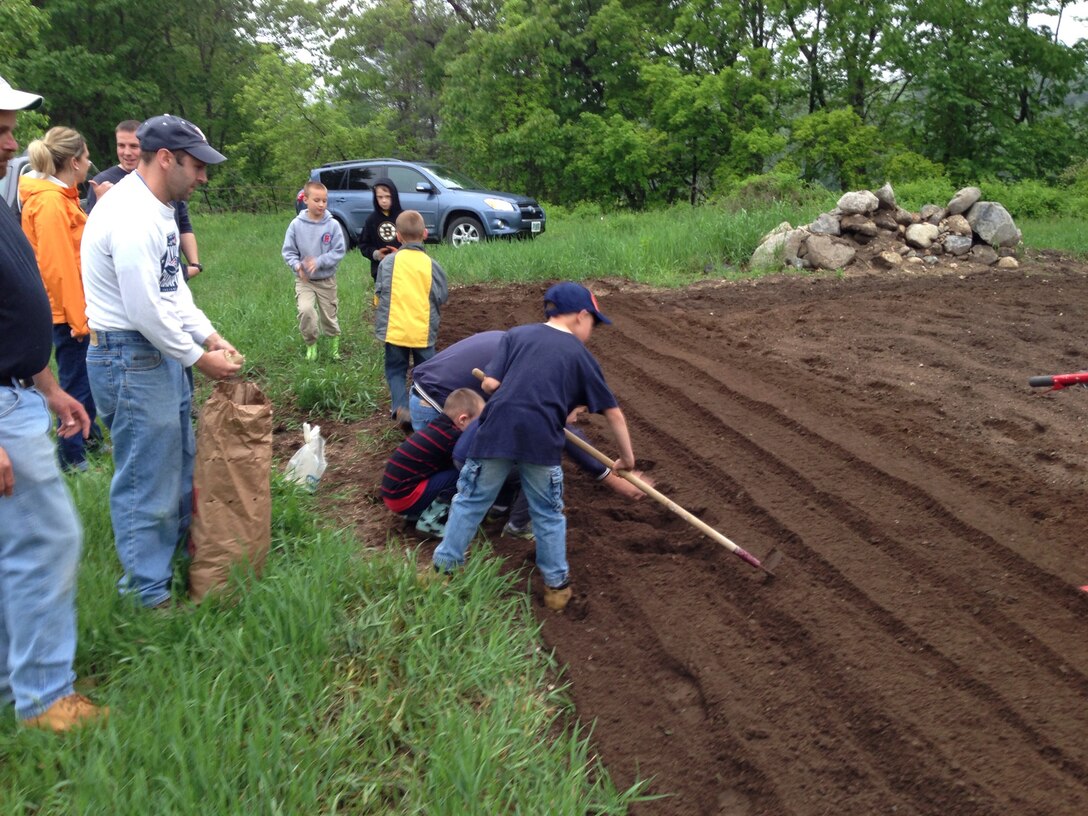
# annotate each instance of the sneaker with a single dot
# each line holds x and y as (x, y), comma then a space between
(525, 532)
(432, 521)
(556, 598)
(311, 353)
(334, 347)
(69, 712)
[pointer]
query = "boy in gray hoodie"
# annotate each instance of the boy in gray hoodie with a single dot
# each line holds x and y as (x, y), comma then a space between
(313, 247)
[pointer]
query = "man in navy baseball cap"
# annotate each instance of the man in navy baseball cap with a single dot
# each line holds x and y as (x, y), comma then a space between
(175, 133)
(568, 297)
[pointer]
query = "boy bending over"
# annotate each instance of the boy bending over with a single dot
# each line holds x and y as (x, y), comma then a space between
(539, 375)
(420, 476)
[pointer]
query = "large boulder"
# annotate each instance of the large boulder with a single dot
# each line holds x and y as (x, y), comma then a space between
(889, 260)
(993, 224)
(779, 247)
(963, 200)
(921, 236)
(905, 217)
(859, 201)
(824, 252)
(957, 244)
(826, 224)
(859, 224)
(932, 213)
(957, 225)
(886, 196)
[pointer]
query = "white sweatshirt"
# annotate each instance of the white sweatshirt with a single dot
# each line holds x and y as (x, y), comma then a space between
(132, 276)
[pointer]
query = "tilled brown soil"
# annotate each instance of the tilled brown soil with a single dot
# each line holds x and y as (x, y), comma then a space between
(923, 648)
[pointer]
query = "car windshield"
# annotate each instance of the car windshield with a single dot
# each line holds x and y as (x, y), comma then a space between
(453, 179)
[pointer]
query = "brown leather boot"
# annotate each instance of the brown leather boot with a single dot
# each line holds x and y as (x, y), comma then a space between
(69, 712)
(556, 598)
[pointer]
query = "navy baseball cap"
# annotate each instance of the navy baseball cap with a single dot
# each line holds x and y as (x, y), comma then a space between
(568, 297)
(175, 133)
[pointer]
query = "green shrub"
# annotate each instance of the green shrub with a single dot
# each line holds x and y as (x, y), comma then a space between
(913, 194)
(769, 189)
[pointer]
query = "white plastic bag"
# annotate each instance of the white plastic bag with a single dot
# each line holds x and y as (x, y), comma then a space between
(308, 463)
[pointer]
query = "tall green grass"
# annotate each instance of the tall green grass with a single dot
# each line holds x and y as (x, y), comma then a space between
(334, 684)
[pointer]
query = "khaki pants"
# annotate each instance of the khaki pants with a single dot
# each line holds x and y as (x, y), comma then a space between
(316, 300)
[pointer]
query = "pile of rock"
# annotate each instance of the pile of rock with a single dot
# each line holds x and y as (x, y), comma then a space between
(871, 228)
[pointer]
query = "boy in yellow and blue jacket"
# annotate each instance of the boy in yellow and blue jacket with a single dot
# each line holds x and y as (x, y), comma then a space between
(409, 293)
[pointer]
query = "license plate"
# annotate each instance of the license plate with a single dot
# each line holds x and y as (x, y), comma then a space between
(535, 226)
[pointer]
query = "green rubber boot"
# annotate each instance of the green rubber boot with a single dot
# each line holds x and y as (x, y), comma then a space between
(334, 347)
(311, 353)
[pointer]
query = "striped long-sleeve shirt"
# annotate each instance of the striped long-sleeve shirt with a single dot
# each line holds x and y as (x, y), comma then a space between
(417, 459)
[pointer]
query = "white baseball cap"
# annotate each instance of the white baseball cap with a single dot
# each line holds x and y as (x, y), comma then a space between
(12, 100)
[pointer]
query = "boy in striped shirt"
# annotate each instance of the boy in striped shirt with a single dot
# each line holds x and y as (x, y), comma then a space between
(420, 477)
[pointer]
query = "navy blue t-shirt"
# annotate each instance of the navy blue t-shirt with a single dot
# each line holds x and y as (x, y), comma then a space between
(545, 373)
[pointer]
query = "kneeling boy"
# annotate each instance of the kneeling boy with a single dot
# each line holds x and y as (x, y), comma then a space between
(540, 373)
(420, 476)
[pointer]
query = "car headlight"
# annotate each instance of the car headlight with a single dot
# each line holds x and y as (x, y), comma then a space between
(500, 204)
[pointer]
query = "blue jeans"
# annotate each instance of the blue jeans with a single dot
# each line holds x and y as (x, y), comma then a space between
(40, 539)
(422, 412)
(143, 397)
(72, 376)
(479, 484)
(396, 371)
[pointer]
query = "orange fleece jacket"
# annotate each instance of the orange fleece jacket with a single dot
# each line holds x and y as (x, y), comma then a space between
(53, 223)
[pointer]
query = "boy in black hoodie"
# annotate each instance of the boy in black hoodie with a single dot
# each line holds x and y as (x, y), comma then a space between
(378, 236)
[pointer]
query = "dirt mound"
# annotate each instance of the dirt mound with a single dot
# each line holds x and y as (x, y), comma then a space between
(923, 648)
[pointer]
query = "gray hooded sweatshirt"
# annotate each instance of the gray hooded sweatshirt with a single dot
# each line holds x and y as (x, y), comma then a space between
(321, 240)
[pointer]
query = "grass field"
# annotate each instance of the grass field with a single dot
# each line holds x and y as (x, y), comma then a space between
(335, 684)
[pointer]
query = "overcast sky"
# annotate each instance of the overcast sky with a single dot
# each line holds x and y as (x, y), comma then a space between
(1073, 25)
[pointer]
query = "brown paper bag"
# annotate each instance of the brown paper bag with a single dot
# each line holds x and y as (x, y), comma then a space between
(232, 491)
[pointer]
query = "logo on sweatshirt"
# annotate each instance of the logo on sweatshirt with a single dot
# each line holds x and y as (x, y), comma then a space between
(169, 266)
(326, 240)
(387, 231)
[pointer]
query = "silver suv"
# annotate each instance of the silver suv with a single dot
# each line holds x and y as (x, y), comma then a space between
(453, 206)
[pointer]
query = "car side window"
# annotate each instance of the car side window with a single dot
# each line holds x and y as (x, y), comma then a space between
(360, 178)
(406, 178)
(335, 178)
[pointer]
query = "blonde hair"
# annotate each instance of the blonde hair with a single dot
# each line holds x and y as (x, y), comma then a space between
(410, 225)
(463, 401)
(53, 151)
(310, 186)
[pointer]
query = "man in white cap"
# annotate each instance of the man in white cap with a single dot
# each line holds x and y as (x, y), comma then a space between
(40, 533)
(145, 329)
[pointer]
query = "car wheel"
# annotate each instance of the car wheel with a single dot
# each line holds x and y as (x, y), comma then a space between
(465, 230)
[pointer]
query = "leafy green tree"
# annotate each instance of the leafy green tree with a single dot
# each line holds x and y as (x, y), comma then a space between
(835, 146)
(292, 128)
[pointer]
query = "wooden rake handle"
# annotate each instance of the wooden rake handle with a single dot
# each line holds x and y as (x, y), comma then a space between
(766, 565)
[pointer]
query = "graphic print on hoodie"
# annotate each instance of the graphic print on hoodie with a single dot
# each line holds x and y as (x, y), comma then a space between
(380, 228)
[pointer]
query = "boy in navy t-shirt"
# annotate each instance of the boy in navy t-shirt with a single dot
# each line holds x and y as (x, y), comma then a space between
(539, 375)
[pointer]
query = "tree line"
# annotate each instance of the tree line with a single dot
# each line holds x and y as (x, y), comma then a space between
(619, 102)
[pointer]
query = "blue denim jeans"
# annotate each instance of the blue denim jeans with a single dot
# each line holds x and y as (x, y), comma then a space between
(72, 375)
(422, 412)
(143, 398)
(479, 484)
(40, 539)
(396, 371)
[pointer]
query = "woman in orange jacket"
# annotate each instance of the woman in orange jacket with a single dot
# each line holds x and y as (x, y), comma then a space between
(53, 222)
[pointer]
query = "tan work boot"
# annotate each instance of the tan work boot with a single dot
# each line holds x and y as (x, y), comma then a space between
(556, 598)
(69, 712)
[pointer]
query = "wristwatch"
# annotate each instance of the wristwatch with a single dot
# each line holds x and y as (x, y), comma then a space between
(197, 266)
